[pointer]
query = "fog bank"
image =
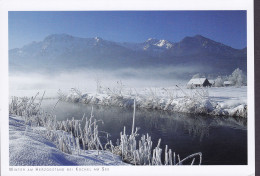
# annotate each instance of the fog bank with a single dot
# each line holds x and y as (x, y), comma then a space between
(28, 84)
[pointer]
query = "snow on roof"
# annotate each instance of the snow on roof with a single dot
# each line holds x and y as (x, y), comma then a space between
(211, 81)
(197, 81)
(228, 82)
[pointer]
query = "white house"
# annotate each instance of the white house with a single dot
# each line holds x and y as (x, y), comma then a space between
(228, 83)
(198, 82)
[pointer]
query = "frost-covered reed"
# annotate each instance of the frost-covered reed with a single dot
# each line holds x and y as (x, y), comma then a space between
(140, 152)
(175, 99)
(63, 133)
(144, 154)
(72, 137)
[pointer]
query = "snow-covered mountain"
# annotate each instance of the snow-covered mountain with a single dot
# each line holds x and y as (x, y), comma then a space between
(151, 45)
(62, 51)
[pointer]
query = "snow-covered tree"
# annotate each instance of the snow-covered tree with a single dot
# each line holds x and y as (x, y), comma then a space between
(237, 77)
(219, 82)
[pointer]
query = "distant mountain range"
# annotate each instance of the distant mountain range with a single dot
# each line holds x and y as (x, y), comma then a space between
(63, 52)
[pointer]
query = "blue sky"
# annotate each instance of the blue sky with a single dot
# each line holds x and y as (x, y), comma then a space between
(228, 27)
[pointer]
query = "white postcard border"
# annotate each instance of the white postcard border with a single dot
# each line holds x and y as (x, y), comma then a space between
(80, 5)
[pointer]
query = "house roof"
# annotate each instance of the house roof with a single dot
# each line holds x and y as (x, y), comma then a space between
(211, 81)
(197, 81)
(228, 82)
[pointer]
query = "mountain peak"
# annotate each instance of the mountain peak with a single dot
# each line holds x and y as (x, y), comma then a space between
(196, 37)
(199, 36)
(164, 43)
(53, 37)
(98, 39)
(151, 40)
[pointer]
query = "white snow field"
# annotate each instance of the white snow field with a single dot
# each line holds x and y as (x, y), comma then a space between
(219, 101)
(29, 147)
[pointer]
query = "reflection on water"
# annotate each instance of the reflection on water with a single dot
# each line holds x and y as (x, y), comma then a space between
(223, 141)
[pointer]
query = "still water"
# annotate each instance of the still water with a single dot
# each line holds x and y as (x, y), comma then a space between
(222, 141)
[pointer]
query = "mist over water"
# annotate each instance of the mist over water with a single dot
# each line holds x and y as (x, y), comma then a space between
(28, 84)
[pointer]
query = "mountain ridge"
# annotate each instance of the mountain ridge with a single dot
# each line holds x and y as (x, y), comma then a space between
(64, 36)
(63, 51)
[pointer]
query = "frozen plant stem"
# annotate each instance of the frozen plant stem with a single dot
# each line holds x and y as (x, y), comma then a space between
(138, 152)
(133, 125)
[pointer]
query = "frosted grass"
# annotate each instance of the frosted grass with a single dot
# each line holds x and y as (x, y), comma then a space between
(69, 136)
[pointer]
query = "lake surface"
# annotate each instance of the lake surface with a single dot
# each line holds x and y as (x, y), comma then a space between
(222, 141)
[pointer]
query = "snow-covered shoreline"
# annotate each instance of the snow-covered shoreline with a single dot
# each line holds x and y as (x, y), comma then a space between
(226, 101)
(37, 138)
(28, 146)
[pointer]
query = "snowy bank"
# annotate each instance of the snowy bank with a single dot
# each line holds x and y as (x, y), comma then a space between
(227, 101)
(40, 132)
(28, 146)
